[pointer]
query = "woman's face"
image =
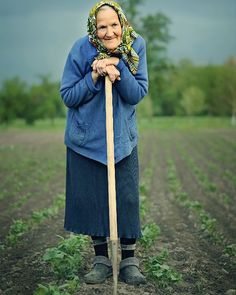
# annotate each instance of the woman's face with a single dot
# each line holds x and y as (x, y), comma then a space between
(109, 29)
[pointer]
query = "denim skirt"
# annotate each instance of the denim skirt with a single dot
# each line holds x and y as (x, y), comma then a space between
(86, 208)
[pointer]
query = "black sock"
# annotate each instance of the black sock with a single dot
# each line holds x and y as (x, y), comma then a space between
(100, 246)
(127, 247)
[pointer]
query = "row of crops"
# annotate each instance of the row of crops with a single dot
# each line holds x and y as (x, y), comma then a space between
(190, 175)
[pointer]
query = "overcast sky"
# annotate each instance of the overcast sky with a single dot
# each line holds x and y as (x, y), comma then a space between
(36, 35)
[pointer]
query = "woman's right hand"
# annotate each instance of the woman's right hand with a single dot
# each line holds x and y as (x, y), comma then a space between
(113, 73)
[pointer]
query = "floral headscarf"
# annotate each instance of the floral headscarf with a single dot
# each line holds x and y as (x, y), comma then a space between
(128, 36)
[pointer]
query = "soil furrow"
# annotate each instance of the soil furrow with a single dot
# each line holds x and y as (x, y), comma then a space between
(215, 176)
(194, 257)
(196, 192)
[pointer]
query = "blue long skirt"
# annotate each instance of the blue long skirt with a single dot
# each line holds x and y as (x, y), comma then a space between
(86, 210)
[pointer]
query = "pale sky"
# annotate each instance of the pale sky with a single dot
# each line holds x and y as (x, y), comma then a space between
(36, 35)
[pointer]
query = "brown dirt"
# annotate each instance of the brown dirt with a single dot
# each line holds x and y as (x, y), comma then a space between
(197, 259)
(204, 268)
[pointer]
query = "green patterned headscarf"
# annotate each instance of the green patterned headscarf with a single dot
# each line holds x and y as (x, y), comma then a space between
(128, 36)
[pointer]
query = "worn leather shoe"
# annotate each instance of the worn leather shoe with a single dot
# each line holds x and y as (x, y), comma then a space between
(130, 273)
(101, 270)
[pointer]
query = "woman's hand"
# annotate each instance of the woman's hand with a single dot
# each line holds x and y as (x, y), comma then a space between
(101, 64)
(113, 73)
(95, 76)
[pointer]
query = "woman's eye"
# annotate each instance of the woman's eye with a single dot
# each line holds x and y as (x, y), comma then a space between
(114, 25)
(102, 28)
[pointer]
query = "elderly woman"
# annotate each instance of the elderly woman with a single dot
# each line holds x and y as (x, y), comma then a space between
(111, 48)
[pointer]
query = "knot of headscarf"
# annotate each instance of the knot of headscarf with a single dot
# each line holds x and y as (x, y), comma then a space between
(128, 37)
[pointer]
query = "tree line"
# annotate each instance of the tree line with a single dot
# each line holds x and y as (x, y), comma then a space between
(185, 88)
(198, 90)
(18, 100)
(174, 89)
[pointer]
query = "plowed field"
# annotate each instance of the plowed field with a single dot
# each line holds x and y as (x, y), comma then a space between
(190, 179)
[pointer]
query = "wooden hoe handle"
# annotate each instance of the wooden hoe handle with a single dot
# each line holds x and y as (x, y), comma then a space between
(111, 180)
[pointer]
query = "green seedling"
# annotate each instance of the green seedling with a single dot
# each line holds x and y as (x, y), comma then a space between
(202, 177)
(50, 289)
(148, 173)
(207, 223)
(226, 198)
(230, 250)
(21, 201)
(195, 205)
(4, 193)
(39, 216)
(66, 258)
(230, 176)
(68, 288)
(150, 233)
(158, 270)
(143, 189)
(2, 247)
(143, 206)
(17, 229)
(181, 196)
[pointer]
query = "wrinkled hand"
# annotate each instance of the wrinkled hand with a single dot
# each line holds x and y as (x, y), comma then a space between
(113, 73)
(99, 66)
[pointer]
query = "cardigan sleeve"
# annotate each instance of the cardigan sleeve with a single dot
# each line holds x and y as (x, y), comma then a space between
(76, 87)
(132, 88)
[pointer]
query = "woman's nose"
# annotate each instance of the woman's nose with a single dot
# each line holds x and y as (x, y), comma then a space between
(109, 32)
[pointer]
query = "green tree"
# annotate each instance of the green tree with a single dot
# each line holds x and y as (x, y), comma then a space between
(216, 82)
(32, 105)
(52, 105)
(179, 78)
(155, 30)
(193, 101)
(131, 10)
(217, 88)
(230, 83)
(13, 92)
(43, 101)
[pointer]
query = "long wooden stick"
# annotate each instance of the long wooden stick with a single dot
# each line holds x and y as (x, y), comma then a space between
(111, 181)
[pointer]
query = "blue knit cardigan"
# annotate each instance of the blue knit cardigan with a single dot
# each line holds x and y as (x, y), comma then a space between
(85, 131)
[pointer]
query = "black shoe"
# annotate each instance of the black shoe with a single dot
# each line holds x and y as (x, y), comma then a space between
(102, 269)
(130, 273)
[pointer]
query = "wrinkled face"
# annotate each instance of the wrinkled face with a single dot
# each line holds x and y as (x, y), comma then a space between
(109, 29)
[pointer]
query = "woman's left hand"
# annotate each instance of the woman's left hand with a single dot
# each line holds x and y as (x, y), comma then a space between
(113, 73)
